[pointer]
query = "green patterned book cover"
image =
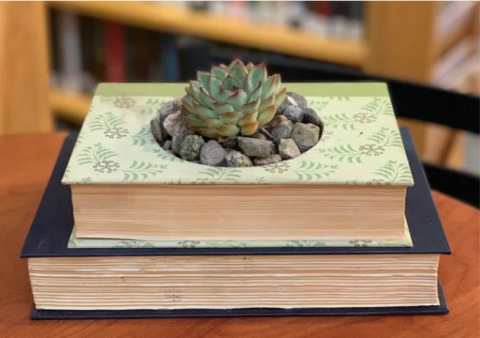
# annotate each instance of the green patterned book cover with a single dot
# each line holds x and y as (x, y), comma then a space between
(82, 243)
(360, 145)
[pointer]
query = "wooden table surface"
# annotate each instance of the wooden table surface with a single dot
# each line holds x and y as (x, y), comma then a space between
(25, 166)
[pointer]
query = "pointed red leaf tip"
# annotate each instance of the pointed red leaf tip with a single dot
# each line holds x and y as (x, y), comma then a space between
(202, 72)
(236, 93)
(264, 67)
(204, 91)
(246, 108)
(230, 77)
(241, 64)
(250, 129)
(193, 84)
(267, 115)
(237, 61)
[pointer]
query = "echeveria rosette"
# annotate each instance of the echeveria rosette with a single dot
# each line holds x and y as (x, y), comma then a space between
(232, 100)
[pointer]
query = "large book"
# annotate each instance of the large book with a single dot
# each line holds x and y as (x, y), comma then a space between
(349, 186)
(138, 281)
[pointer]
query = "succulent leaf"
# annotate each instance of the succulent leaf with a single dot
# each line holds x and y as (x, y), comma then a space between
(222, 107)
(268, 87)
(248, 118)
(223, 95)
(258, 74)
(187, 103)
(228, 131)
(232, 65)
(251, 106)
(204, 78)
(232, 99)
(250, 129)
(219, 72)
(257, 93)
(238, 71)
(280, 96)
(215, 86)
(231, 117)
(238, 99)
(212, 123)
(203, 111)
(193, 120)
(230, 83)
(266, 115)
(206, 98)
(267, 103)
(195, 89)
(209, 132)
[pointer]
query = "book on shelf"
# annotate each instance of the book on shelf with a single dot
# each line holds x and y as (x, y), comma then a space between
(70, 70)
(88, 51)
(138, 279)
(351, 185)
(116, 50)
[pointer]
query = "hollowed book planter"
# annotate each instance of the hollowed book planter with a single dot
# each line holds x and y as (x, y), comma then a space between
(349, 187)
(333, 231)
(98, 275)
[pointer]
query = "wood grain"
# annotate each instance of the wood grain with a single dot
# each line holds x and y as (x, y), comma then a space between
(168, 18)
(401, 48)
(29, 162)
(24, 71)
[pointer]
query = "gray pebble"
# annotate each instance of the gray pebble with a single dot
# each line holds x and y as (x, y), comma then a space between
(176, 123)
(281, 108)
(311, 116)
(288, 149)
(170, 152)
(275, 122)
(267, 160)
(168, 108)
(178, 139)
(230, 143)
(253, 147)
(294, 114)
(300, 101)
(259, 135)
(212, 154)
(284, 130)
(236, 159)
(167, 145)
(156, 128)
(305, 135)
(191, 147)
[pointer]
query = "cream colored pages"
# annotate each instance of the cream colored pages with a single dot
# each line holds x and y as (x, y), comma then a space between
(361, 143)
(182, 282)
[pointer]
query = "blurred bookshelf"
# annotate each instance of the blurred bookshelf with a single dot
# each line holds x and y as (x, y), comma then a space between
(321, 31)
(273, 29)
(433, 43)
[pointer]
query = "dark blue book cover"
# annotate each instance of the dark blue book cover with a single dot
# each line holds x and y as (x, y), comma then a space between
(53, 223)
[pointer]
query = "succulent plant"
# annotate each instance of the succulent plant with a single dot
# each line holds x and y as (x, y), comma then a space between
(232, 100)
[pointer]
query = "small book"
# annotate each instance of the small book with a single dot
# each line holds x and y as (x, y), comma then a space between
(145, 281)
(350, 186)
